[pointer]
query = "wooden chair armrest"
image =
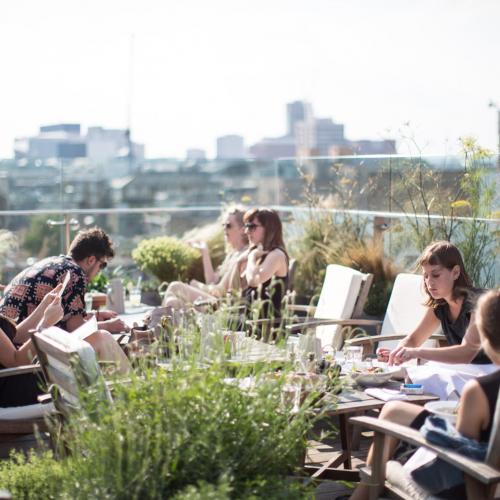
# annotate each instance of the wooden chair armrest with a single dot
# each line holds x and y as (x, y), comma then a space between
(265, 321)
(343, 322)
(474, 468)
(301, 308)
(378, 338)
(19, 370)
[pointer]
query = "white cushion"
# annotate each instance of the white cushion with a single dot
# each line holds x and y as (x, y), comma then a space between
(337, 300)
(406, 307)
(24, 412)
(397, 476)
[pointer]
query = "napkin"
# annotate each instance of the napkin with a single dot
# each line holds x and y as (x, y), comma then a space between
(385, 394)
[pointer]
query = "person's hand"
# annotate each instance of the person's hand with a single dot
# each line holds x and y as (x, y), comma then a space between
(257, 253)
(406, 353)
(49, 297)
(394, 355)
(383, 354)
(53, 313)
(200, 245)
(105, 315)
(114, 325)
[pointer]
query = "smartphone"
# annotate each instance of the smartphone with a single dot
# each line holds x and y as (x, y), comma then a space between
(65, 283)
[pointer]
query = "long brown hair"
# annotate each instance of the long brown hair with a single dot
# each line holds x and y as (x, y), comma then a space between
(488, 317)
(444, 253)
(273, 229)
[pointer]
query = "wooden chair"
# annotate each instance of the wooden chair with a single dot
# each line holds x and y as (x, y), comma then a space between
(481, 478)
(341, 302)
(69, 366)
(18, 425)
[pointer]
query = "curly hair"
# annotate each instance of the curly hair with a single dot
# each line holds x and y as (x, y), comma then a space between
(91, 242)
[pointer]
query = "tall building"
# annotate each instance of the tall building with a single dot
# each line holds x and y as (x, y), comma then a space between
(196, 154)
(298, 111)
(230, 147)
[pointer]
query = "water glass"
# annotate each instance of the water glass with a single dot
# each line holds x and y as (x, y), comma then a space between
(88, 301)
(135, 297)
(238, 345)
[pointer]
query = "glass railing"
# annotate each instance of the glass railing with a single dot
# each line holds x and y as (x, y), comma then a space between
(385, 198)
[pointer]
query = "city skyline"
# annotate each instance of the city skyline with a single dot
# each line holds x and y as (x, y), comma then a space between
(201, 71)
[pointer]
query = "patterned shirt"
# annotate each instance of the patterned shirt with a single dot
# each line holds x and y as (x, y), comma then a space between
(27, 289)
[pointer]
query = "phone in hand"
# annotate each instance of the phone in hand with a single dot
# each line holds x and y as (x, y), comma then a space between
(65, 284)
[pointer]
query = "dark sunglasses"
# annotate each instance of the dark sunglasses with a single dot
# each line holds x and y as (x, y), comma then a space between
(227, 225)
(251, 226)
(102, 265)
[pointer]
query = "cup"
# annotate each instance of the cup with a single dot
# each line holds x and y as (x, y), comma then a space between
(135, 297)
(88, 301)
(238, 344)
(354, 353)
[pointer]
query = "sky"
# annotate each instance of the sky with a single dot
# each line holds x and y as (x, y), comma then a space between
(200, 69)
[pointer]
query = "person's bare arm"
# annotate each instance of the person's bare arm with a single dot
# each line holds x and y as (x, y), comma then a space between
(473, 411)
(463, 353)
(274, 264)
(427, 326)
(211, 276)
(32, 321)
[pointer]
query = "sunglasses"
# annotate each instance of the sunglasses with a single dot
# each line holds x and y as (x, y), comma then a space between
(102, 265)
(227, 225)
(251, 227)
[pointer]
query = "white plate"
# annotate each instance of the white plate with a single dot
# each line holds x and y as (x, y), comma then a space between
(444, 409)
(376, 379)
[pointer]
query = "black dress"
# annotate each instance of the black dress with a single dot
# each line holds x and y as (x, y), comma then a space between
(268, 296)
(18, 390)
(454, 331)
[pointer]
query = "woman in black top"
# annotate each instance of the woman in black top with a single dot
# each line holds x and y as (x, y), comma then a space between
(478, 401)
(450, 306)
(265, 264)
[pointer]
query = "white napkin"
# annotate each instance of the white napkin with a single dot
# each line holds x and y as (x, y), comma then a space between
(385, 394)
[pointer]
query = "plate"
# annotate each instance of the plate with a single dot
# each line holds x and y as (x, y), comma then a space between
(445, 409)
(367, 379)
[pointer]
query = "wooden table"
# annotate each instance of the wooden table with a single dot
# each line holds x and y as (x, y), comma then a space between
(345, 405)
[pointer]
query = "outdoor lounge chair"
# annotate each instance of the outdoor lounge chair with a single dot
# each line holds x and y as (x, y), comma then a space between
(481, 478)
(342, 298)
(69, 365)
(404, 312)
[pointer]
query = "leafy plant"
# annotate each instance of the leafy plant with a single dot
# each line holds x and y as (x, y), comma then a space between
(99, 283)
(167, 258)
(456, 206)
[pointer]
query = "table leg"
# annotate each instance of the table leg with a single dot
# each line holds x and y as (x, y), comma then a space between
(345, 440)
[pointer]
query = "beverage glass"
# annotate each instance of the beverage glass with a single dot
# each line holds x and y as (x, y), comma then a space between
(238, 344)
(135, 297)
(88, 301)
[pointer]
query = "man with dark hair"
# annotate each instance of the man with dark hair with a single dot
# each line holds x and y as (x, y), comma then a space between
(89, 253)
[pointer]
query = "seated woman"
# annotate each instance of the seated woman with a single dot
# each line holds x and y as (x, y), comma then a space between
(218, 283)
(478, 401)
(24, 389)
(450, 305)
(264, 267)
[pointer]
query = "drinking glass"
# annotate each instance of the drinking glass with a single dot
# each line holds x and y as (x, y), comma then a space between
(135, 297)
(88, 301)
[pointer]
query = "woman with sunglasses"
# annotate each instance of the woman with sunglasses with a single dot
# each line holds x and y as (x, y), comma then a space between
(264, 268)
(220, 281)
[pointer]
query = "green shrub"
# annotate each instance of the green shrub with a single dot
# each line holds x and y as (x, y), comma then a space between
(167, 258)
(184, 434)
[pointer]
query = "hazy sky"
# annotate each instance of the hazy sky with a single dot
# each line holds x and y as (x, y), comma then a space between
(204, 68)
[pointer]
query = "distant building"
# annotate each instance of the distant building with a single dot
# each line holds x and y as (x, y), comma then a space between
(272, 148)
(296, 112)
(230, 147)
(54, 141)
(196, 154)
(104, 145)
(365, 147)
(65, 141)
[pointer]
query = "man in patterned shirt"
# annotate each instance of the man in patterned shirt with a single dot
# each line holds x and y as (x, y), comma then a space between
(89, 253)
